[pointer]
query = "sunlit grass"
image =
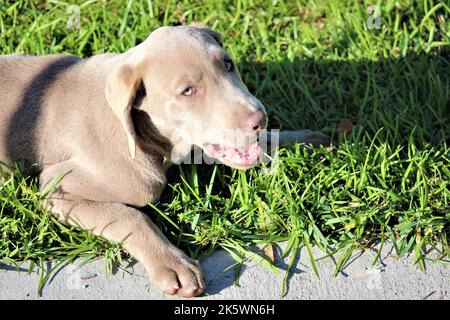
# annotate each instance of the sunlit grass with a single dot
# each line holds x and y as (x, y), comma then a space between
(312, 63)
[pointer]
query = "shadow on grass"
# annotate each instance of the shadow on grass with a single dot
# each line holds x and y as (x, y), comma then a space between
(398, 94)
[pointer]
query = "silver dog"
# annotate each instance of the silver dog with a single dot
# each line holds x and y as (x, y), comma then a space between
(113, 123)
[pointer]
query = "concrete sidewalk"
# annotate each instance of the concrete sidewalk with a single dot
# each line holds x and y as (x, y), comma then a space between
(390, 279)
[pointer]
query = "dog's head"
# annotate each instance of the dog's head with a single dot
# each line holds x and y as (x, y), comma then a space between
(193, 93)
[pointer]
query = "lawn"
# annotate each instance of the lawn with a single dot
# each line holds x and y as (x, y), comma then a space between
(375, 78)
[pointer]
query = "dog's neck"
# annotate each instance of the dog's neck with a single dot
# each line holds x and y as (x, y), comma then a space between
(158, 141)
(149, 138)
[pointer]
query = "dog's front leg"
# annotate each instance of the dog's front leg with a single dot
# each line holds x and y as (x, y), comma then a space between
(167, 266)
(172, 270)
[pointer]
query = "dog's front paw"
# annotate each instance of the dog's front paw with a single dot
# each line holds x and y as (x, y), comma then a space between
(177, 274)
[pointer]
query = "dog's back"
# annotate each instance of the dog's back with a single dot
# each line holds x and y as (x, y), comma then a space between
(24, 81)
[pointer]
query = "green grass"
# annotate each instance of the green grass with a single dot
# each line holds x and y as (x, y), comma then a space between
(313, 63)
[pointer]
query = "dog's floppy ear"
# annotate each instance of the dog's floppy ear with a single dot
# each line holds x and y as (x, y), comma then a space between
(123, 84)
(215, 35)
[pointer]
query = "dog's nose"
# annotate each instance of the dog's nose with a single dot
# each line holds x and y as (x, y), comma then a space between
(254, 121)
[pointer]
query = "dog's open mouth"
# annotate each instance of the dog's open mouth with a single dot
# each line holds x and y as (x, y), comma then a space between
(243, 157)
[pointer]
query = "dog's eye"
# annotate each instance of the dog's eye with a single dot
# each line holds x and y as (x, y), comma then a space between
(189, 91)
(229, 66)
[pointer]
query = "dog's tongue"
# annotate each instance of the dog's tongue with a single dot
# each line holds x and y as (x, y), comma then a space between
(241, 156)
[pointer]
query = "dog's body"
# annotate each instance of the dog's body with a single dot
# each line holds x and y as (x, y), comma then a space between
(113, 123)
(53, 116)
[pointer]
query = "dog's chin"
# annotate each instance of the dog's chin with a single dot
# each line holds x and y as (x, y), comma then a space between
(239, 158)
